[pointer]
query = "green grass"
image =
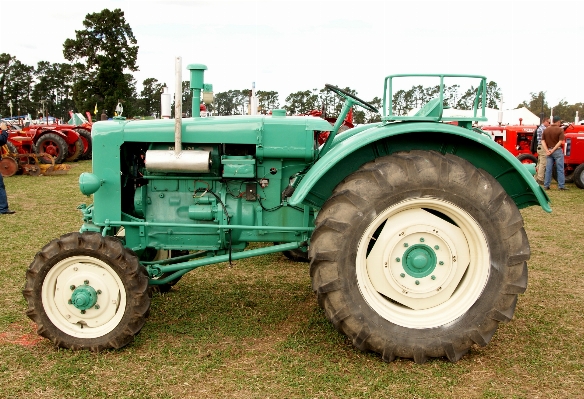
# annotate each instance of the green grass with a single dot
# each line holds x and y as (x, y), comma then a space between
(255, 329)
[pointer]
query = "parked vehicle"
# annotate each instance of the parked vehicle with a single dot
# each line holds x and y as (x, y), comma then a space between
(412, 226)
(517, 139)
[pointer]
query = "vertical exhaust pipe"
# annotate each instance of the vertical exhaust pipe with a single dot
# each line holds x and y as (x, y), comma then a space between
(178, 106)
(179, 161)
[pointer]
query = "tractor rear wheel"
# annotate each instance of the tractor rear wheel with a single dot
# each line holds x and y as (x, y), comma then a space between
(419, 255)
(52, 144)
(86, 291)
(74, 151)
(86, 138)
(568, 173)
(579, 176)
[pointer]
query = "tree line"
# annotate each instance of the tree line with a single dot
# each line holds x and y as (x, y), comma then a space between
(103, 55)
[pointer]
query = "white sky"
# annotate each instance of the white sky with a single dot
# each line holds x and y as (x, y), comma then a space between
(286, 46)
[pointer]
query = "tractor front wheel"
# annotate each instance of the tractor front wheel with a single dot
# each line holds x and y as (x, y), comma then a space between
(86, 291)
(419, 255)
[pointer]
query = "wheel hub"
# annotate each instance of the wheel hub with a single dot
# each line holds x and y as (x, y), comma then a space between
(419, 260)
(84, 297)
(85, 293)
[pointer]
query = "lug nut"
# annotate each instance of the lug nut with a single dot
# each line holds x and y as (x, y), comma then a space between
(397, 259)
(422, 239)
(433, 277)
(83, 312)
(72, 287)
(97, 306)
(417, 282)
(70, 302)
(402, 275)
(436, 247)
(98, 292)
(440, 263)
(86, 282)
(405, 244)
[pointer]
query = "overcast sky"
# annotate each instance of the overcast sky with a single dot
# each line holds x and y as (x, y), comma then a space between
(287, 46)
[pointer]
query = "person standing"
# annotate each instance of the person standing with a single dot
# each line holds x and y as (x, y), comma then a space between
(552, 141)
(541, 152)
(3, 198)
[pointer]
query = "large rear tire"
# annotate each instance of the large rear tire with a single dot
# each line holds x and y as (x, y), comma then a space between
(419, 255)
(568, 173)
(86, 291)
(75, 151)
(579, 176)
(87, 146)
(52, 144)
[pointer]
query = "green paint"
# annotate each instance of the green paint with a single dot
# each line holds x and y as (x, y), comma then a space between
(84, 297)
(419, 260)
(238, 198)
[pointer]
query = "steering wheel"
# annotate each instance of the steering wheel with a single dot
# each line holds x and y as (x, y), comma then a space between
(346, 95)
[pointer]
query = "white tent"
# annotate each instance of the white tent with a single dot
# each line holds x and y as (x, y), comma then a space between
(509, 116)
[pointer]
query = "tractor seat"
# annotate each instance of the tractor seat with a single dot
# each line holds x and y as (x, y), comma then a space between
(432, 108)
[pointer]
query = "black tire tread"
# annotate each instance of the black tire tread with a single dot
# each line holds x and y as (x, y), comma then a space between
(111, 250)
(61, 144)
(87, 136)
(579, 176)
(522, 157)
(72, 157)
(350, 201)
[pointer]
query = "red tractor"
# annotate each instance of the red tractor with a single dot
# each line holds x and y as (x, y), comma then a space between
(62, 142)
(517, 139)
(574, 154)
(82, 126)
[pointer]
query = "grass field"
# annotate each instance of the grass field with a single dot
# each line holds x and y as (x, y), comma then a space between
(255, 330)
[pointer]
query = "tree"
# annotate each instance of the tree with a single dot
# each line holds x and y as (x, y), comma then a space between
(493, 95)
(537, 104)
(302, 102)
(54, 88)
(372, 117)
(104, 50)
(466, 101)
(403, 102)
(16, 84)
(267, 100)
(149, 101)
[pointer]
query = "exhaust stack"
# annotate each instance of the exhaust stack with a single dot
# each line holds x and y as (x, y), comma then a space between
(179, 161)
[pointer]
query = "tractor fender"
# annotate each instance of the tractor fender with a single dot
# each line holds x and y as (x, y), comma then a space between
(57, 132)
(70, 135)
(357, 146)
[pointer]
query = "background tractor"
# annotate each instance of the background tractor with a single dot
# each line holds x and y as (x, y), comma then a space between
(412, 226)
(517, 139)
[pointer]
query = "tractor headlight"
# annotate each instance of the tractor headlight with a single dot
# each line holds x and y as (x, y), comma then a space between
(89, 183)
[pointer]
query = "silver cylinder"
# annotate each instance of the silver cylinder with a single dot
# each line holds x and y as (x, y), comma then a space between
(186, 161)
(178, 106)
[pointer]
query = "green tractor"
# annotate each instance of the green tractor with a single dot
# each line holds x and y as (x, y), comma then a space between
(411, 225)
